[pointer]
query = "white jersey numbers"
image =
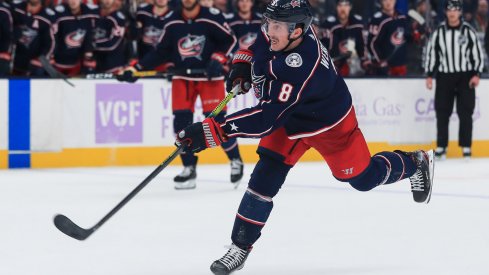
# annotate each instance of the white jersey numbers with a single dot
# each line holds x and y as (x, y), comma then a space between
(285, 92)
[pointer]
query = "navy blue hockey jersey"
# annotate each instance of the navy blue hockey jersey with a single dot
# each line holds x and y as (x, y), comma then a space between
(245, 31)
(33, 33)
(6, 30)
(74, 33)
(110, 46)
(150, 26)
(340, 39)
(387, 38)
(298, 89)
(189, 43)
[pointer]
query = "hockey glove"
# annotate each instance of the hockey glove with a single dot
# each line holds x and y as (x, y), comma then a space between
(240, 72)
(89, 63)
(127, 75)
(215, 67)
(201, 135)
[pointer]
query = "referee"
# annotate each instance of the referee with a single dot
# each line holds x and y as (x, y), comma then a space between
(455, 55)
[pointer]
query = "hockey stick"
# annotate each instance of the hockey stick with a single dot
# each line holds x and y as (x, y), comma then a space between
(52, 71)
(342, 56)
(416, 16)
(146, 74)
(69, 228)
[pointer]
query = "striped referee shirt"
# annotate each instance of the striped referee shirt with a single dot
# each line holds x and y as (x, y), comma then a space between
(453, 50)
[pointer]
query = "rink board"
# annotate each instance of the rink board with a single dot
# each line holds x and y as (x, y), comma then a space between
(103, 123)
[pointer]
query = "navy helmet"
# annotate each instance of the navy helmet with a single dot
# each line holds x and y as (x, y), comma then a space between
(296, 12)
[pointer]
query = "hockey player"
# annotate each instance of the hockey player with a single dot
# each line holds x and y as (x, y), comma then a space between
(110, 45)
(74, 26)
(150, 25)
(6, 31)
(245, 23)
(194, 37)
(303, 104)
(388, 33)
(34, 33)
(343, 35)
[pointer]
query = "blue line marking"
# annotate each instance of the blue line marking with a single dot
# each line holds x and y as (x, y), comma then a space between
(19, 123)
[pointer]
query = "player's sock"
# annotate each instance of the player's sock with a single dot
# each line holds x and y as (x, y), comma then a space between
(252, 215)
(384, 168)
(233, 260)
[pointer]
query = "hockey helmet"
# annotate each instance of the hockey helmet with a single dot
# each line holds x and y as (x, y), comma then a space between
(453, 5)
(295, 12)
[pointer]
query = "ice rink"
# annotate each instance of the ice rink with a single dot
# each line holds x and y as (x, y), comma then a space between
(318, 225)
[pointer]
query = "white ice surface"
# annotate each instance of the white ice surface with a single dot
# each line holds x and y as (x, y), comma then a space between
(318, 225)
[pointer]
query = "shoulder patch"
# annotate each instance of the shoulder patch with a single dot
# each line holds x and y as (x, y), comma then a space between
(228, 15)
(358, 17)
(293, 60)
(331, 18)
(378, 14)
(92, 6)
(214, 11)
(259, 15)
(60, 8)
(50, 12)
(121, 15)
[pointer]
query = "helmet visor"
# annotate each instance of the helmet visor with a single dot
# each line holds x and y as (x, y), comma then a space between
(276, 26)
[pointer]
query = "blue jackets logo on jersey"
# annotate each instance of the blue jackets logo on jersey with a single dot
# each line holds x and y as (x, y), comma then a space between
(99, 33)
(247, 40)
(75, 39)
(397, 38)
(191, 46)
(151, 35)
(28, 35)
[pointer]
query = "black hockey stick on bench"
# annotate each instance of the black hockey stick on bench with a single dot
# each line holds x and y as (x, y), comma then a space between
(52, 72)
(69, 228)
(146, 74)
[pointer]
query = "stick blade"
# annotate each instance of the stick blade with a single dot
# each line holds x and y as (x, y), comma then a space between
(69, 228)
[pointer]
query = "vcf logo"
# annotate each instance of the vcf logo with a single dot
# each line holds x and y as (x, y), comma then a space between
(191, 46)
(397, 38)
(348, 171)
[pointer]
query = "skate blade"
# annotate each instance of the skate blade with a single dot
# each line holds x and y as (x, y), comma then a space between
(189, 185)
(431, 159)
(236, 184)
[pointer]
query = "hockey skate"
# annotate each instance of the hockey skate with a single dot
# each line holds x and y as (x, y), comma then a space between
(441, 153)
(466, 152)
(236, 171)
(422, 180)
(186, 179)
(233, 260)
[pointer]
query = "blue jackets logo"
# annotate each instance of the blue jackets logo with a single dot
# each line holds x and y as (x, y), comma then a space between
(191, 46)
